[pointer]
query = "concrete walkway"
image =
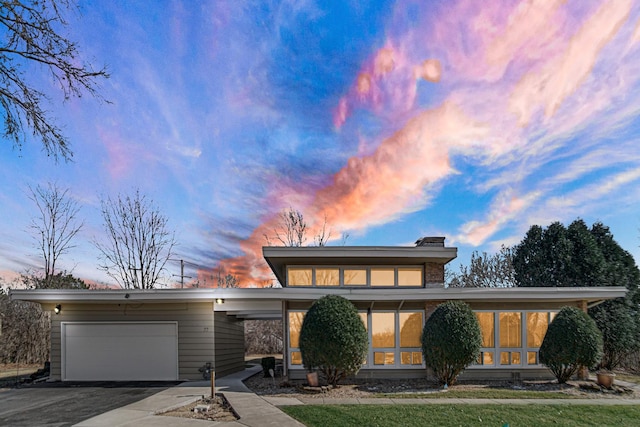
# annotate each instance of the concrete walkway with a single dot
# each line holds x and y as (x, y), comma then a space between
(253, 410)
(257, 411)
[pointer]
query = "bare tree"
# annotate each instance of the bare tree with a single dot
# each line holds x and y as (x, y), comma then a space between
(485, 271)
(227, 280)
(291, 230)
(55, 226)
(323, 235)
(31, 38)
(139, 243)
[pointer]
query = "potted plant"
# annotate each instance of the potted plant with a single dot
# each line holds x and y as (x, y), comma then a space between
(605, 378)
(312, 379)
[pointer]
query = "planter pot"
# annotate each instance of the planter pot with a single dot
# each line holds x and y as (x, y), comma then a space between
(605, 379)
(312, 379)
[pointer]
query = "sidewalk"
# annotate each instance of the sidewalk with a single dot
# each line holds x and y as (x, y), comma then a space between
(257, 411)
(253, 410)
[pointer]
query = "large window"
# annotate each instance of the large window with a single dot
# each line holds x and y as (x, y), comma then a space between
(355, 276)
(512, 337)
(394, 338)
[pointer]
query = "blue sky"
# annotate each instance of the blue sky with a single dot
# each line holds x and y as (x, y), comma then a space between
(394, 120)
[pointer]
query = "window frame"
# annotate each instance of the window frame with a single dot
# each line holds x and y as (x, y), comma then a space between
(369, 362)
(524, 349)
(368, 268)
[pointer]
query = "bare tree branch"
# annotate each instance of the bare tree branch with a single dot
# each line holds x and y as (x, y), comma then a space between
(139, 242)
(55, 226)
(31, 37)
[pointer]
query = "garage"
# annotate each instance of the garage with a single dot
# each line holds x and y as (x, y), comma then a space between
(119, 351)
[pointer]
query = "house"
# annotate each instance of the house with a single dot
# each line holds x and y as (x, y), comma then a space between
(171, 334)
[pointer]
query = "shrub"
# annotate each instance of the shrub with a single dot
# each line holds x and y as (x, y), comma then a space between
(451, 340)
(333, 338)
(572, 341)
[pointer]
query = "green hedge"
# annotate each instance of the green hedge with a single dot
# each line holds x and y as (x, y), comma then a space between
(572, 341)
(451, 340)
(333, 338)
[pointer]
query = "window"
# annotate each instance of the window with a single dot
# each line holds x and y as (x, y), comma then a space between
(411, 324)
(510, 329)
(327, 277)
(355, 277)
(394, 338)
(383, 276)
(295, 325)
(299, 276)
(409, 276)
(517, 343)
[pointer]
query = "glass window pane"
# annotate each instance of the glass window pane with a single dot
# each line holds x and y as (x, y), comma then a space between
(417, 357)
(355, 277)
(537, 324)
(363, 316)
(504, 358)
(410, 329)
(382, 277)
(299, 277)
(296, 358)
(383, 327)
(405, 357)
(510, 329)
(409, 276)
(327, 277)
(486, 321)
(532, 357)
(515, 357)
(295, 325)
(487, 357)
(383, 358)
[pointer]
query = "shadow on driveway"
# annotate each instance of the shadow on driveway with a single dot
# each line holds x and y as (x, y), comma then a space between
(66, 404)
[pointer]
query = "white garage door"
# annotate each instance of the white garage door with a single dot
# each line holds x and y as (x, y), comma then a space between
(119, 351)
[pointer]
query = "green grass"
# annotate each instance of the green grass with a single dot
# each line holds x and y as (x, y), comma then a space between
(487, 393)
(464, 415)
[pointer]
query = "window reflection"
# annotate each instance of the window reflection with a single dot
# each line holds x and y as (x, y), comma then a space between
(355, 277)
(299, 277)
(537, 324)
(410, 329)
(295, 325)
(327, 277)
(510, 329)
(383, 328)
(487, 327)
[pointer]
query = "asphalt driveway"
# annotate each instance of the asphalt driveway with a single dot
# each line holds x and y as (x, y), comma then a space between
(58, 404)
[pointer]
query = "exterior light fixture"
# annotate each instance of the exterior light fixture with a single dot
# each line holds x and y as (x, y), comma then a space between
(219, 301)
(57, 309)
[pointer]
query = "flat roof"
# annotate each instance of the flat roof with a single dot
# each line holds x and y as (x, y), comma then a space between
(239, 295)
(278, 257)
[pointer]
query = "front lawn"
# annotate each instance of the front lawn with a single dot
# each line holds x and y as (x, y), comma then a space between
(464, 415)
(485, 393)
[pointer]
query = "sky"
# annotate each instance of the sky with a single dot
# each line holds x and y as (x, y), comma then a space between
(389, 120)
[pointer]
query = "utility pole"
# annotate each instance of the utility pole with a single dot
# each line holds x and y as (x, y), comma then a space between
(182, 276)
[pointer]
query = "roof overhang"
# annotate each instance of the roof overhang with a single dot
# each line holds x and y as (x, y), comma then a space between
(265, 303)
(278, 257)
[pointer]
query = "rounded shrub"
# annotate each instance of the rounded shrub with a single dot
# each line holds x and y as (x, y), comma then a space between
(333, 338)
(572, 341)
(451, 340)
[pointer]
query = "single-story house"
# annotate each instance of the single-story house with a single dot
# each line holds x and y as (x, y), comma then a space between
(171, 334)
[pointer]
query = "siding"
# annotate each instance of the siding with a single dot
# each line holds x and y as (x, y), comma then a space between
(195, 331)
(229, 340)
